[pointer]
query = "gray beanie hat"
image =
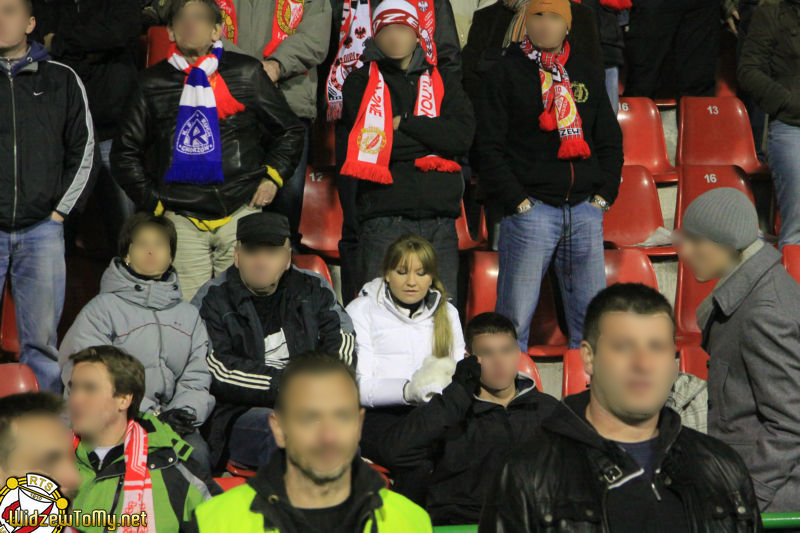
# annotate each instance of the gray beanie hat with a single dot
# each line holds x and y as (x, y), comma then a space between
(725, 216)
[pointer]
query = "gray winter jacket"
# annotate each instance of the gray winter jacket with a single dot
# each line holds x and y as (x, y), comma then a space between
(753, 338)
(149, 320)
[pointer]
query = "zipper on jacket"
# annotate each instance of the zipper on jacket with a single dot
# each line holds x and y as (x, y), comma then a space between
(604, 505)
(571, 180)
(14, 134)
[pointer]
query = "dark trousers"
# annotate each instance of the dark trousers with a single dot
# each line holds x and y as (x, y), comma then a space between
(690, 29)
(289, 199)
(348, 246)
(376, 234)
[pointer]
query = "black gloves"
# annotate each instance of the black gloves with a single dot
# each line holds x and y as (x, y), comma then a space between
(468, 374)
(179, 420)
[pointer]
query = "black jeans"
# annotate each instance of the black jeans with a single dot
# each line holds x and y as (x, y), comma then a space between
(690, 28)
(376, 234)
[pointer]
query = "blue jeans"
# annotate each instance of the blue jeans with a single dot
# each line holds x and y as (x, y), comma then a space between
(573, 237)
(784, 161)
(251, 442)
(289, 199)
(612, 87)
(35, 256)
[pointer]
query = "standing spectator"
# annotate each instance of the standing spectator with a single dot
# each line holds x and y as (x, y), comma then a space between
(220, 141)
(46, 159)
(402, 124)
(769, 71)
(608, 14)
(550, 160)
(751, 330)
(260, 313)
(290, 38)
(139, 310)
(614, 458)
(463, 10)
(98, 39)
(688, 28)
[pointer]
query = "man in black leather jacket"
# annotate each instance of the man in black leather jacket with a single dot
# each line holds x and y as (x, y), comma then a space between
(261, 146)
(614, 459)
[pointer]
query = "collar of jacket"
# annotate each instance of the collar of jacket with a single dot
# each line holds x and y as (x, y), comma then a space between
(730, 294)
(685, 390)
(29, 62)
(238, 291)
(372, 53)
(150, 294)
(525, 386)
(379, 289)
(272, 501)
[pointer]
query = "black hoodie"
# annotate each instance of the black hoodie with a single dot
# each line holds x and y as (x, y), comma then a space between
(569, 478)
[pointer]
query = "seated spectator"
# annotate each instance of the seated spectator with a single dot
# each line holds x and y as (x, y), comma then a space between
(768, 72)
(317, 482)
(139, 310)
(34, 438)
(551, 158)
(401, 150)
(614, 458)
(260, 313)
(290, 38)
(689, 398)
(98, 39)
(751, 330)
(468, 430)
(220, 141)
(113, 437)
(46, 157)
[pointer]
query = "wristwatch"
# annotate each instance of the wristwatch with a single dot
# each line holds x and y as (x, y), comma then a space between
(524, 208)
(602, 204)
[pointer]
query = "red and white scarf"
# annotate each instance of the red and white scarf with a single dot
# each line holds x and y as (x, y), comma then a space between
(560, 111)
(353, 33)
(285, 19)
(137, 486)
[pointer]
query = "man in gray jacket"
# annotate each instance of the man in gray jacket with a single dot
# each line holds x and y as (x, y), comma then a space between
(751, 329)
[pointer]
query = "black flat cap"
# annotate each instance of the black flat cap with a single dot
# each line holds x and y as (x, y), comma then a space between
(270, 229)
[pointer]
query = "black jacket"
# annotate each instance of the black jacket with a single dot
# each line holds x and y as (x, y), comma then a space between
(569, 478)
(769, 67)
(413, 194)
(311, 319)
(612, 38)
(518, 159)
(467, 440)
(98, 39)
(46, 140)
(265, 133)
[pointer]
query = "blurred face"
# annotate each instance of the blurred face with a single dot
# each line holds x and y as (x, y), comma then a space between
(633, 365)
(498, 354)
(42, 444)
(15, 25)
(193, 29)
(261, 267)
(409, 282)
(93, 407)
(706, 259)
(396, 41)
(546, 31)
(149, 253)
(320, 426)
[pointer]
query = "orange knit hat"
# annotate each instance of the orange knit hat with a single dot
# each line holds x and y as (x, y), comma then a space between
(561, 7)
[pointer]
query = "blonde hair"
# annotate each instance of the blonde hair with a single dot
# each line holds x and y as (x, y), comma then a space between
(398, 254)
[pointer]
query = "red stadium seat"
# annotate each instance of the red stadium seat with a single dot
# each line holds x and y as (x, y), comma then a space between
(689, 293)
(228, 483)
(694, 360)
(716, 131)
(239, 470)
(643, 138)
(636, 213)
(629, 266)
(529, 368)
(482, 288)
(314, 263)
(157, 45)
(574, 379)
(791, 260)
(465, 240)
(321, 219)
(697, 179)
(9, 336)
(16, 378)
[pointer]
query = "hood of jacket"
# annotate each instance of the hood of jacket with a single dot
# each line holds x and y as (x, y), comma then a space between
(373, 53)
(379, 291)
(150, 294)
(525, 386)
(271, 494)
(36, 52)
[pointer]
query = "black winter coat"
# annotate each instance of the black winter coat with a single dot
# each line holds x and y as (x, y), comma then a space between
(518, 159)
(265, 133)
(467, 440)
(413, 193)
(612, 38)
(570, 479)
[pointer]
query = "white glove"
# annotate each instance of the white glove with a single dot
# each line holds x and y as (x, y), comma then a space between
(431, 378)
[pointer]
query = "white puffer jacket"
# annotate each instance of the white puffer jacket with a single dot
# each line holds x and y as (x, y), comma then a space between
(391, 345)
